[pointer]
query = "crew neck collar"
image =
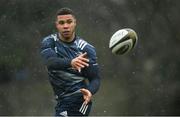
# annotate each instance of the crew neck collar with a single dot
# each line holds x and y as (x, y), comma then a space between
(58, 35)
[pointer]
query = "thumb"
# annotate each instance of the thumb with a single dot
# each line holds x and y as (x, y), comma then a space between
(84, 54)
(86, 92)
(83, 91)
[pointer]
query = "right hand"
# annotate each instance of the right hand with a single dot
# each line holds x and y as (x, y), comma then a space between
(80, 62)
(86, 95)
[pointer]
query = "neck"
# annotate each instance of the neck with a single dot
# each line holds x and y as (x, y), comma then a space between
(70, 39)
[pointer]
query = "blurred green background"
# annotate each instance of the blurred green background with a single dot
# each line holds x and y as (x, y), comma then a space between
(143, 82)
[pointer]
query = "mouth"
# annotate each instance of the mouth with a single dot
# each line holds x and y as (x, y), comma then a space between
(66, 32)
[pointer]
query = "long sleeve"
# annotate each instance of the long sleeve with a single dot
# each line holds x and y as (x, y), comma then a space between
(50, 58)
(94, 78)
(92, 72)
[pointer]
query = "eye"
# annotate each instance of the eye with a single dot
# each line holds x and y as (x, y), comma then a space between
(61, 22)
(69, 21)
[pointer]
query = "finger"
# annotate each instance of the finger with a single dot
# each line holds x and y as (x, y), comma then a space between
(83, 59)
(79, 69)
(83, 55)
(79, 65)
(83, 91)
(87, 99)
(82, 63)
(87, 94)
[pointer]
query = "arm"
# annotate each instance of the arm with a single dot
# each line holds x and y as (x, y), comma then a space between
(50, 58)
(94, 82)
(92, 72)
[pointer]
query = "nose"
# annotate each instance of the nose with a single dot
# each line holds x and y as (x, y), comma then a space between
(65, 26)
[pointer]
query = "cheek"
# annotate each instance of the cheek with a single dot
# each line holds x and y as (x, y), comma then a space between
(59, 27)
(73, 27)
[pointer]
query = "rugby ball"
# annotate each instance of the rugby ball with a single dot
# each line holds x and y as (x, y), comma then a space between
(123, 41)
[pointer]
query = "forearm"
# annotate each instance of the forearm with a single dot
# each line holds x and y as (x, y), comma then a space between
(58, 63)
(93, 74)
(94, 85)
(52, 61)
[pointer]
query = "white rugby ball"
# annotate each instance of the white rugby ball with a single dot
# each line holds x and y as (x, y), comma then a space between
(123, 41)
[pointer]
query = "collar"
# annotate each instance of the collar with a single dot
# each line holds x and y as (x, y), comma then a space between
(75, 37)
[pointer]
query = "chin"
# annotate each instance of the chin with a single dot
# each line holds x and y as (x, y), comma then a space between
(67, 37)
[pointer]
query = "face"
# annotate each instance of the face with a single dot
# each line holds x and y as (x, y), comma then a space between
(66, 24)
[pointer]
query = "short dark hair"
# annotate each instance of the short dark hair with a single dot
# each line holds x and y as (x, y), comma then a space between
(65, 11)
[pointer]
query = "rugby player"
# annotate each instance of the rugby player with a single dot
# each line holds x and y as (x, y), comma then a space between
(72, 67)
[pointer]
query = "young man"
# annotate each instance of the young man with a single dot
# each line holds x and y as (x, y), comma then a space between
(72, 67)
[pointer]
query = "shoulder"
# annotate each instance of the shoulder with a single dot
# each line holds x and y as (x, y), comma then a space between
(49, 40)
(84, 45)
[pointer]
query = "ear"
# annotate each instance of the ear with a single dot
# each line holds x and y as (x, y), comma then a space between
(56, 23)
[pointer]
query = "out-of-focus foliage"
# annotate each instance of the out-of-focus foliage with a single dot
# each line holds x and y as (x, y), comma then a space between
(143, 82)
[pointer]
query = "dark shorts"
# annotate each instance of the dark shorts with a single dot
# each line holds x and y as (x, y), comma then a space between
(71, 106)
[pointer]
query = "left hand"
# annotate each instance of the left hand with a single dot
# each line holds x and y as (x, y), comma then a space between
(80, 62)
(86, 94)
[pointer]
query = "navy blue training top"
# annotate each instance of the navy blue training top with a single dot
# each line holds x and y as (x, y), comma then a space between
(57, 56)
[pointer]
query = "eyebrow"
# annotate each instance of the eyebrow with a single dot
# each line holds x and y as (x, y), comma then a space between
(64, 20)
